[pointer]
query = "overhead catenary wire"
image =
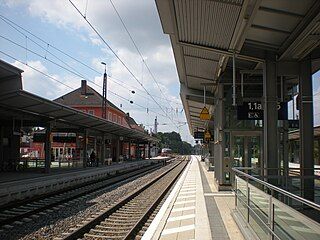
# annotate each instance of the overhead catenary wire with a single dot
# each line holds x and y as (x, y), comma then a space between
(39, 55)
(72, 88)
(37, 70)
(136, 88)
(73, 72)
(139, 52)
(117, 56)
(16, 26)
(47, 51)
(23, 31)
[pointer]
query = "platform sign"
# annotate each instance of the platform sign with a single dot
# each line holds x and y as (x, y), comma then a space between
(250, 111)
(204, 114)
(254, 111)
(208, 137)
(198, 135)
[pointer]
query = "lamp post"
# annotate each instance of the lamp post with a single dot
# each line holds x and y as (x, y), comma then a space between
(104, 92)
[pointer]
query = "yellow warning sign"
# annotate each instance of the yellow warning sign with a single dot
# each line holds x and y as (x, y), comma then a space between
(207, 135)
(204, 115)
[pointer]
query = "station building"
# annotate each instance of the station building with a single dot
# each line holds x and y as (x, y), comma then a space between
(68, 126)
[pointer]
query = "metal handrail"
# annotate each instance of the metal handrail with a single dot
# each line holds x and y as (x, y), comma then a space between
(270, 186)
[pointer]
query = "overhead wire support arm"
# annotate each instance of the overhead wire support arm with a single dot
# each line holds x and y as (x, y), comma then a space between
(26, 33)
(56, 80)
(16, 26)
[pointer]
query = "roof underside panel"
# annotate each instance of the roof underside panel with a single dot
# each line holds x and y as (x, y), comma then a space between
(200, 67)
(207, 23)
(201, 53)
(276, 20)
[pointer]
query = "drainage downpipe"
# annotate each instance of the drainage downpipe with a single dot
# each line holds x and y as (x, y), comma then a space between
(242, 85)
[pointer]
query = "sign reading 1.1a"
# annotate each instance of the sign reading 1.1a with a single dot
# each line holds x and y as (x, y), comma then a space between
(250, 111)
(254, 111)
(255, 106)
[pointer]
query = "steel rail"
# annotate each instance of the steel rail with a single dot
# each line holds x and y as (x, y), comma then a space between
(79, 232)
(113, 180)
(135, 229)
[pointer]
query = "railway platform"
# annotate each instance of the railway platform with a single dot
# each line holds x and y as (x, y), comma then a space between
(20, 185)
(195, 209)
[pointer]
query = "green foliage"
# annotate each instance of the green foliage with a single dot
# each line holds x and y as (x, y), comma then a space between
(173, 141)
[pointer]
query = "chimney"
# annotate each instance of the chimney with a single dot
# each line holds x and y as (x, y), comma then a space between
(83, 87)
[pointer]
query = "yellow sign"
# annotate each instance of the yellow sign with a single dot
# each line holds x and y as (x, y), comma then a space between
(207, 135)
(204, 115)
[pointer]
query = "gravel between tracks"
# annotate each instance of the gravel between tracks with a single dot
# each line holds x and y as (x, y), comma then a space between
(55, 222)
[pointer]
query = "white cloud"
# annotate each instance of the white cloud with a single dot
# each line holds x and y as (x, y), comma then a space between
(41, 85)
(142, 20)
(57, 12)
(95, 41)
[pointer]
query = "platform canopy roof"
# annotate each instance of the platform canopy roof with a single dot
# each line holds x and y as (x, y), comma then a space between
(206, 33)
(17, 104)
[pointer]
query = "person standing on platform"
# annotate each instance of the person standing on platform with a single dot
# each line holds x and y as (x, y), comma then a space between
(92, 158)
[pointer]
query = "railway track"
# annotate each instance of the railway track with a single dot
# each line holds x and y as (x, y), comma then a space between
(126, 218)
(26, 210)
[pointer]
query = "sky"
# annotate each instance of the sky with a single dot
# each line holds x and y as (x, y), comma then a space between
(55, 29)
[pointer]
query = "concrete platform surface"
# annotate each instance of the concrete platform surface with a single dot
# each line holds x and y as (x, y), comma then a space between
(195, 209)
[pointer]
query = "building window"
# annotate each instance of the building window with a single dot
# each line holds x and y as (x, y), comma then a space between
(91, 112)
(119, 120)
(110, 116)
(84, 111)
(114, 118)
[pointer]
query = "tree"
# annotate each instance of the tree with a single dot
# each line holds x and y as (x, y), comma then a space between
(173, 141)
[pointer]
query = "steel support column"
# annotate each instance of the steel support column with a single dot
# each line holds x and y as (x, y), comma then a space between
(318, 163)
(117, 150)
(85, 149)
(103, 150)
(1, 147)
(149, 150)
(306, 130)
(286, 151)
(130, 150)
(270, 121)
(219, 137)
(47, 149)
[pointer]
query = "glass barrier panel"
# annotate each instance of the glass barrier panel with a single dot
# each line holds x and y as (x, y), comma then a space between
(290, 224)
(258, 226)
(241, 194)
(259, 203)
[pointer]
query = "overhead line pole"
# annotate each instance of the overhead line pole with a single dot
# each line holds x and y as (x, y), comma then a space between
(116, 55)
(16, 26)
